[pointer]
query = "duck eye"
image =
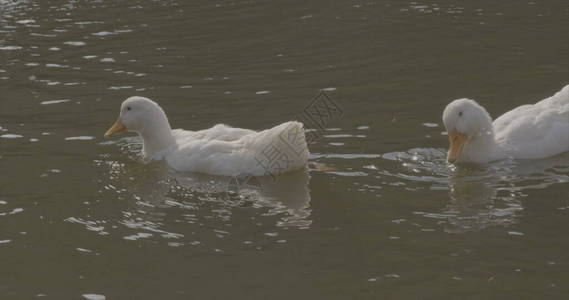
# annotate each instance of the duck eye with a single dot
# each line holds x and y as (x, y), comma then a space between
(459, 113)
(128, 108)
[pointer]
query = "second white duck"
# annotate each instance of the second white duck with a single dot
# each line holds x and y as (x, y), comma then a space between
(527, 132)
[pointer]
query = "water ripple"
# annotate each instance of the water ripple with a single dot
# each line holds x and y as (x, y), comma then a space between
(479, 195)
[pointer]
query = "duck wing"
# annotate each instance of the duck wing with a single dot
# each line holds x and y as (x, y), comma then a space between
(219, 132)
(273, 151)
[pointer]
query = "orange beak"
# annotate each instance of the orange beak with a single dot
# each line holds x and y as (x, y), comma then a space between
(456, 141)
(117, 128)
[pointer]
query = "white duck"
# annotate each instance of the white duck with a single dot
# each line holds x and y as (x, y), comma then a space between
(220, 150)
(527, 132)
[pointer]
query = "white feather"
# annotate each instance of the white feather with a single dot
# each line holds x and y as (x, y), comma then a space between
(538, 130)
(220, 150)
(527, 132)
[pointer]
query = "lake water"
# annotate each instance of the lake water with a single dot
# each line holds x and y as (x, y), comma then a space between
(83, 217)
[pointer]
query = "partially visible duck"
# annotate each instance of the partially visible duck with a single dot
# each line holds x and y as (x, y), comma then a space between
(529, 131)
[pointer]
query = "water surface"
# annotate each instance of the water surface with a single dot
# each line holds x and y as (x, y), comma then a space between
(83, 216)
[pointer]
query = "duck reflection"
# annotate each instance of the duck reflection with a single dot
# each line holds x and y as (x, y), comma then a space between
(151, 189)
(484, 196)
(287, 194)
(476, 205)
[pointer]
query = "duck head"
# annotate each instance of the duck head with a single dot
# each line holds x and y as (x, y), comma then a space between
(469, 128)
(139, 114)
(145, 117)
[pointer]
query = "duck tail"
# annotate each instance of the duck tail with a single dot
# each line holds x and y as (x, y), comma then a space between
(285, 148)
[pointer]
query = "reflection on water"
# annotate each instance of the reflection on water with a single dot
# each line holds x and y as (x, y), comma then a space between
(193, 209)
(480, 196)
(477, 204)
(286, 195)
(491, 195)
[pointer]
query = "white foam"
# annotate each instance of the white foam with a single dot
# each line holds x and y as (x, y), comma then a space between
(94, 297)
(10, 48)
(25, 21)
(11, 136)
(80, 138)
(75, 43)
(48, 102)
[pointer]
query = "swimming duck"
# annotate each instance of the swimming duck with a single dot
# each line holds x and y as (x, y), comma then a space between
(529, 131)
(220, 150)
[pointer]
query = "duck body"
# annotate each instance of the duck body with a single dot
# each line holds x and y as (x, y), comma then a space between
(535, 131)
(220, 150)
(224, 150)
(530, 131)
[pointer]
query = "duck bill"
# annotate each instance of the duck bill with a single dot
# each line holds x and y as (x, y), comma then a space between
(456, 142)
(117, 128)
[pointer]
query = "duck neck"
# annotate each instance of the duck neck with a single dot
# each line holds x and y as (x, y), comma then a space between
(482, 148)
(157, 139)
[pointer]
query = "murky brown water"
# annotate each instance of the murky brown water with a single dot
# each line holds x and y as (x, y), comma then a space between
(81, 216)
